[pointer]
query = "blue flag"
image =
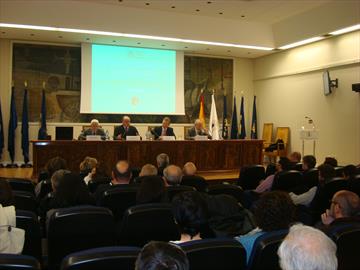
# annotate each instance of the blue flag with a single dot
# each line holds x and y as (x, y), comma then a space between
(234, 123)
(25, 128)
(42, 134)
(254, 122)
(242, 120)
(225, 132)
(12, 127)
(1, 133)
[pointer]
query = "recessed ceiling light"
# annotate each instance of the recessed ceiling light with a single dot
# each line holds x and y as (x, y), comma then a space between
(197, 10)
(127, 35)
(114, 40)
(228, 51)
(209, 2)
(87, 38)
(242, 16)
(147, 4)
(163, 45)
(346, 30)
(249, 52)
(220, 13)
(32, 35)
(173, 7)
(60, 37)
(138, 43)
(301, 42)
(207, 49)
(3, 32)
(186, 47)
(120, 0)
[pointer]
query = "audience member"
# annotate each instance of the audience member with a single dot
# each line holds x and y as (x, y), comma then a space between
(307, 248)
(151, 190)
(190, 214)
(344, 208)
(172, 175)
(148, 170)
(273, 211)
(88, 168)
(349, 171)
(121, 173)
(100, 173)
(161, 256)
(309, 162)
(266, 185)
(189, 169)
(295, 157)
(6, 194)
(331, 161)
(162, 161)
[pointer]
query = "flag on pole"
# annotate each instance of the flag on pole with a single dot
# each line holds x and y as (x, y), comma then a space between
(25, 128)
(12, 127)
(225, 132)
(234, 123)
(254, 122)
(42, 134)
(214, 121)
(1, 133)
(202, 110)
(242, 120)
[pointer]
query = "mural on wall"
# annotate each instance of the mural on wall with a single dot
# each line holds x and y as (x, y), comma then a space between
(60, 68)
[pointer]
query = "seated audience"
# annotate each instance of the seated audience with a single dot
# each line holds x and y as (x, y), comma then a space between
(53, 165)
(162, 161)
(93, 130)
(295, 157)
(121, 174)
(265, 185)
(307, 248)
(331, 161)
(344, 208)
(99, 174)
(273, 211)
(197, 130)
(309, 162)
(189, 169)
(190, 214)
(172, 175)
(191, 179)
(146, 170)
(163, 130)
(349, 171)
(314, 196)
(88, 168)
(6, 194)
(161, 256)
(151, 190)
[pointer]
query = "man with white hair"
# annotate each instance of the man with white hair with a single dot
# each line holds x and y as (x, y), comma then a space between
(126, 129)
(197, 130)
(307, 248)
(172, 175)
(93, 130)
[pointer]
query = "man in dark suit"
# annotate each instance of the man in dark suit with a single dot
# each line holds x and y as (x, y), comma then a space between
(93, 130)
(121, 132)
(197, 130)
(163, 130)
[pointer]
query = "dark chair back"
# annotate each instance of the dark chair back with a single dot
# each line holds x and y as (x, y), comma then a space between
(29, 222)
(298, 167)
(287, 180)
(135, 172)
(330, 188)
(270, 169)
(214, 254)
(78, 228)
(143, 223)
(118, 198)
(354, 184)
(109, 258)
(264, 254)
(94, 184)
(339, 171)
(232, 190)
(16, 262)
(45, 189)
(347, 239)
(21, 185)
(250, 176)
(25, 201)
(173, 190)
(195, 181)
(311, 178)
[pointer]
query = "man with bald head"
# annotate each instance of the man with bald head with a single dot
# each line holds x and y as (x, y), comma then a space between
(121, 174)
(344, 208)
(126, 129)
(197, 130)
(172, 175)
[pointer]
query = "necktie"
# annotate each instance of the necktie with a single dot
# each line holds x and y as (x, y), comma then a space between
(163, 133)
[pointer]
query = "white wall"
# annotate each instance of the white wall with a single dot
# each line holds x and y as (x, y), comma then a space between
(289, 86)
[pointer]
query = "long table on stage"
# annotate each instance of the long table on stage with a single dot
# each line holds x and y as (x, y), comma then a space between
(207, 155)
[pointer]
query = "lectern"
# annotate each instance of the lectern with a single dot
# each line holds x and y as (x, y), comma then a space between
(308, 132)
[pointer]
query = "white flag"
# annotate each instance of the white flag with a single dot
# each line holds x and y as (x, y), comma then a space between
(214, 122)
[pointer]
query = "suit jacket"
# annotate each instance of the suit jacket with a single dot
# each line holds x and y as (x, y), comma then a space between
(120, 130)
(87, 132)
(192, 133)
(158, 130)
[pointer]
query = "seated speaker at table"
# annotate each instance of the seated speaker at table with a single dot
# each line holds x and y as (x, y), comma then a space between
(197, 130)
(126, 129)
(163, 130)
(93, 130)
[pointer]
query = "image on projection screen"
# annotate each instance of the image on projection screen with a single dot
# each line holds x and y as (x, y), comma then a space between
(133, 80)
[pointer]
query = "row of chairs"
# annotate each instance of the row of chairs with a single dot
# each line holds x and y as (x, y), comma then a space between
(202, 254)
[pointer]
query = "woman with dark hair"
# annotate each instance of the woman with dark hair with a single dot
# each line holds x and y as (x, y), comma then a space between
(6, 194)
(273, 211)
(151, 190)
(191, 215)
